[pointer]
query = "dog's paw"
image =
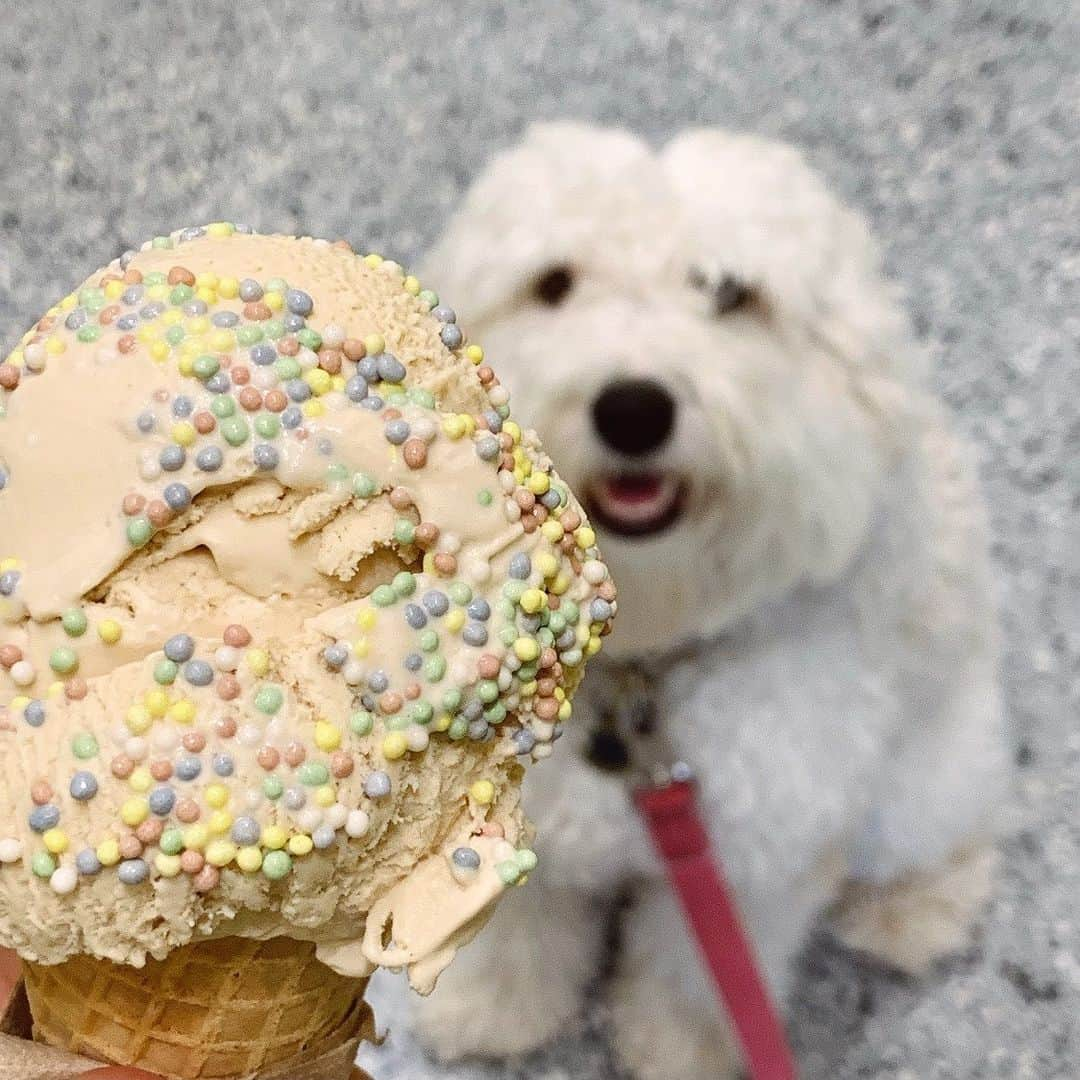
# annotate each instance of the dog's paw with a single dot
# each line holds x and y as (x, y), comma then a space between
(923, 915)
(658, 1034)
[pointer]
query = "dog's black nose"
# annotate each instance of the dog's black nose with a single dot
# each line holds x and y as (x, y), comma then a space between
(634, 416)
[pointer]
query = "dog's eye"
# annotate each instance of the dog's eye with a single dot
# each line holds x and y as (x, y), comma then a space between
(553, 286)
(726, 293)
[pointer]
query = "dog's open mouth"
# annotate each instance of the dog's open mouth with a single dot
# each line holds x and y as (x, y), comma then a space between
(636, 503)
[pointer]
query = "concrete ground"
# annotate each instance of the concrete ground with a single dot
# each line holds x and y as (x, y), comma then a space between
(953, 125)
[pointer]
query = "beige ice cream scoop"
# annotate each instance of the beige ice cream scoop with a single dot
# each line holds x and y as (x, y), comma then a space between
(287, 600)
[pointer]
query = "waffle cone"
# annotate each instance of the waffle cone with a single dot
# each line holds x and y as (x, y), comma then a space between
(225, 1008)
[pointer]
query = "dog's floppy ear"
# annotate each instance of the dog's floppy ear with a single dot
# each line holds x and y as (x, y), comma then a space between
(759, 210)
(504, 227)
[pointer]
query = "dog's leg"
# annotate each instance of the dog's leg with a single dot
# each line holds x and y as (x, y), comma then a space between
(664, 1012)
(521, 982)
(925, 867)
(667, 1017)
(923, 861)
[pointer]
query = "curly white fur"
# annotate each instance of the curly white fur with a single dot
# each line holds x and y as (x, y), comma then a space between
(841, 713)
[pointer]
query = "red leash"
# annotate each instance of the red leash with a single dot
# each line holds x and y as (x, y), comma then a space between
(670, 811)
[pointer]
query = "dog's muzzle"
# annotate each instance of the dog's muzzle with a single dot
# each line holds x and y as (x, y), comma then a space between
(634, 496)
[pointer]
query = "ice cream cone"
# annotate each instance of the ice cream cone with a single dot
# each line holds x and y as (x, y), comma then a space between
(230, 1007)
(295, 665)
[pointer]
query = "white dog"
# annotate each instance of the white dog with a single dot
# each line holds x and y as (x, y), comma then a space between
(705, 340)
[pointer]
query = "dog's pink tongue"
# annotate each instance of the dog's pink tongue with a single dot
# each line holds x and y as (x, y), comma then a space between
(634, 503)
(637, 488)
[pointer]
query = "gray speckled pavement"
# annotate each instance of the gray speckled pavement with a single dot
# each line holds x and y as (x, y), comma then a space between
(955, 126)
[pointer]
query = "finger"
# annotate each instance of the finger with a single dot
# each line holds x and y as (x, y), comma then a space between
(9, 974)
